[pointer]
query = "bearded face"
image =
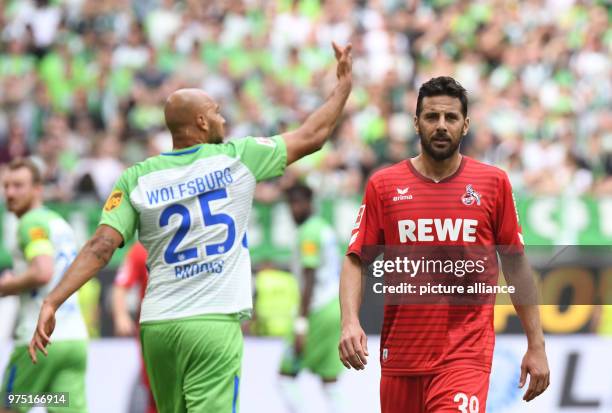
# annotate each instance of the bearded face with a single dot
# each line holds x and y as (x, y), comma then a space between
(441, 126)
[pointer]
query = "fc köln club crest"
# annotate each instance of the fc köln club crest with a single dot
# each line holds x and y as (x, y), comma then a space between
(471, 196)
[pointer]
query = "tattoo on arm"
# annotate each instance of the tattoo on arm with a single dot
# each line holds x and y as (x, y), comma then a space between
(102, 248)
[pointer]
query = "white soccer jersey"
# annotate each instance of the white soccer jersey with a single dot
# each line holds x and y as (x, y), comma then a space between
(191, 208)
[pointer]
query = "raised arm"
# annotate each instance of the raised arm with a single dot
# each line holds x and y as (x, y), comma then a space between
(311, 136)
(94, 256)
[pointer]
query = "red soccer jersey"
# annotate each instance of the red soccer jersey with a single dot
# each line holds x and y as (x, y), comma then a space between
(134, 269)
(477, 199)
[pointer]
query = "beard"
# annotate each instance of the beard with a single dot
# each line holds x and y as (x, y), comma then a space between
(216, 134)
(440, 154)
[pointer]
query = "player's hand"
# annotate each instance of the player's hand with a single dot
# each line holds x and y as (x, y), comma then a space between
(345, 62)
(353, 346)
(298, 344)
(5, 277)
(44, 329)
(535, 365)
(125, 326)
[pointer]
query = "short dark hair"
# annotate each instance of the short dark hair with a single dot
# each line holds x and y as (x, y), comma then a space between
(27, 163)
(442, 86)
(299, 191)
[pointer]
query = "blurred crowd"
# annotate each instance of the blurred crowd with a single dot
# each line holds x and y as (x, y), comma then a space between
(83, 83)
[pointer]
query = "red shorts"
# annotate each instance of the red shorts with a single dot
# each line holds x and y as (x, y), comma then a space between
(453, 391)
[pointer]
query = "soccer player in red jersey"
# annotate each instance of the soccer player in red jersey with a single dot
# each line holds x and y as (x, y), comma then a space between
(132, 272)
(437, 358)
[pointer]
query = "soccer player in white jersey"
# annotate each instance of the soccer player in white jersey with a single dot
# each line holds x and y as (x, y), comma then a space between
(191, 207)
(45, 248)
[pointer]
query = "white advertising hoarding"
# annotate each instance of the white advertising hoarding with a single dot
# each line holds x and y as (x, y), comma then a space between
(581, 380)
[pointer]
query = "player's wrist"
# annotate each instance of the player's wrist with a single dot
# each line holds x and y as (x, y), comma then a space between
(49, 302)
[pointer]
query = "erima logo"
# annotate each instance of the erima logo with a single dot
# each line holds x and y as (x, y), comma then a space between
(385, 354)
(402, 194)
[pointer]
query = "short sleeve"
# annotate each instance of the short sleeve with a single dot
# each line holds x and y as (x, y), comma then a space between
(118, 211)
(508, 234)
(34, 236)
(368, 228)
(310, 247)
(265, 157)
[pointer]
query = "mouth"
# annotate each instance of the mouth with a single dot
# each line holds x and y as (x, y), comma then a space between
(440, 141)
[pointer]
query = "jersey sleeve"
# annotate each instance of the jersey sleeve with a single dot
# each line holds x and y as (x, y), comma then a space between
(368, 228)
(310, 246)
(508, 233)
(265, 157)
(118, 211)
(34, 236)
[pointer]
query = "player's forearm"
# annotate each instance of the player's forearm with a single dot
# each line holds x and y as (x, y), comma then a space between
(530, 320)
(350, 289)
(94, 256)
(518, 273)
(18, 284)
(307, 289)
(119, 302)
(37, 274)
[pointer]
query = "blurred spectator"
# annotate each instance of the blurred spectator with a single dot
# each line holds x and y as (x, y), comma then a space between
(538, 74)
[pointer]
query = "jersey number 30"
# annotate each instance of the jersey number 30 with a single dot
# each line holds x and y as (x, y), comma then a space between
(171, 255)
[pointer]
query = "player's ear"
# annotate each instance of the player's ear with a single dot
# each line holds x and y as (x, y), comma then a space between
(466, 125)
(202, 123)
(416, 124)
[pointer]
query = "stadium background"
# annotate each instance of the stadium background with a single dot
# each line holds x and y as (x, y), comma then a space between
(82, 86)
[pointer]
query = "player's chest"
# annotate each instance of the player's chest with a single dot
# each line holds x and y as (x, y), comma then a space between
(427, 212)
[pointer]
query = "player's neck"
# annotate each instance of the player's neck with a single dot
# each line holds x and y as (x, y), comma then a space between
(434, 169)
(185, 139)
(34, 205)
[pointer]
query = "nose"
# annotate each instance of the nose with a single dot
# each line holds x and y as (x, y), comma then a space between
(441, 126)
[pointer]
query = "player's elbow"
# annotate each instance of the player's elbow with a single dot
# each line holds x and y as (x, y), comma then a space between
(101, 248)
(314, 139)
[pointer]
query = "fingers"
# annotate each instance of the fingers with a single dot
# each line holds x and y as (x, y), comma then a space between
(352, 353)
(346, 350)
(337, 50)
(523, 376)
(347, 50)
(538, 383)
(36, 344)
(359, 357)
(44, 335)
(342, 53)
(32, 352)
(364, 344)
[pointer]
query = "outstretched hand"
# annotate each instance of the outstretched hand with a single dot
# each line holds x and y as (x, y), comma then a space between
(345, 62)
(44, 329)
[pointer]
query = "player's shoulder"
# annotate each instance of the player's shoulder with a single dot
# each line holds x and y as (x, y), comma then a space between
(387, 172)
(38, 216)
(314, 225)
(483, 169)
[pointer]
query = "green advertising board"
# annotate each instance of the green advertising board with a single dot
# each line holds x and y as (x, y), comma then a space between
(545, 221)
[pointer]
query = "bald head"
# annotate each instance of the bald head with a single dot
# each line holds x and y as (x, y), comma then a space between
(193, 117)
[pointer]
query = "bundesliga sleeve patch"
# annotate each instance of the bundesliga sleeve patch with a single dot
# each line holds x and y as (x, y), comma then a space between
(37, 233)
(266, 142)
(113, 201)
